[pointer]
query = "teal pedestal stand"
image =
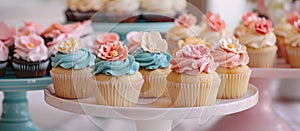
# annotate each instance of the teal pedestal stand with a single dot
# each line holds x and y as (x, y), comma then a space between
(15, 115)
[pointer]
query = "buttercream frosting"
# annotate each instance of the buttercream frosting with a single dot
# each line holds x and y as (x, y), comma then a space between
(31, 28)
(85, 5)
(123, 6)
(7, 34)
(152, 60)
(3, 52)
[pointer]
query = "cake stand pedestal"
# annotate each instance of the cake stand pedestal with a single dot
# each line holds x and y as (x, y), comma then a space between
(150, 114)
(15, 115)
(262, 117)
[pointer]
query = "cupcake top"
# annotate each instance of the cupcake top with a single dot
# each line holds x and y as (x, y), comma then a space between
(135, 39)
(70, 55)
(185, 26)
(193, 41)
(30, 48)
(248, 19)
(260, 36)
(157, 5)
(85, 5)
(193, 60)
(113, 59)
(152, 54)
(179, 5)
(286, 27)
(104, 38)
(3, 52)
(293, 40)
(214, 28)
(31, 28)
(229, 53)
(7, 34)
(123, 6)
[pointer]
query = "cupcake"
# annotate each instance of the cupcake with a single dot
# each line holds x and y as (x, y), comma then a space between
(123, 11)
(7, 36)
(30, 57)
(3, 58)
(80, 10)
(248, 19)
(30, 28)
(213, 29)
(158, 10)
(293, 47)
(284, 29)
(102, 39)
(260, 43)
(71, 72)
(154, 64)
(193, 81)
(185, 27)
(233, 70)
(116, 73)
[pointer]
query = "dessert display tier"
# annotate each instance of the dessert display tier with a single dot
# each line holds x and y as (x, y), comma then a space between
(15, 115)
(148, 111)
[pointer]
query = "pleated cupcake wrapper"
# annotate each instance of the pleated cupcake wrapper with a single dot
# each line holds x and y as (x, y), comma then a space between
(115, 93)
(29, 68)
(73, 86)
(3, 65)
(154, 86)
(233, 85)
(294, 56)
(264, 59)
(194, 94)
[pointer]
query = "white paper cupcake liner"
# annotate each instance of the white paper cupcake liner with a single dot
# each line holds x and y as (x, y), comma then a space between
(154, 86)
(294, 56)
(116, 93)
(264, 59)
(29, 68)
(233, 85)
(73, 86)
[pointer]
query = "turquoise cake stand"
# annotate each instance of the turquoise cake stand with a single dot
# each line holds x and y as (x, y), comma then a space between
(15, 114)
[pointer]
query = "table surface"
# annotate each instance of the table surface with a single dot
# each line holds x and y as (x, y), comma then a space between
(14, 12)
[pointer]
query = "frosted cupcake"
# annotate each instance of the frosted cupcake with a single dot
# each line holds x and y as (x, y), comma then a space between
(233, 70)
(154, 64)
(260, 43)
(123, 10)
(116, 73)
(71, 72)
(3, 58)
(30, 57)
(192, 81)
(102, 39)
(30, 28)
(7, 34)
(158, 10)
(248, 19)
(293, 47)
(185, 27)
(213, 29)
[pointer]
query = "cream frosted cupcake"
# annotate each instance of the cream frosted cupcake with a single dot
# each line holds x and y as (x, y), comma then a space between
(213, 29)
(192, 81)
(158, 10)
(154, 64)
(260, 43)
(116, 73)
(71, 72)
(233, 70)
(293, 47)
(123, 10)
(185, 27)
(248, 19)
(3, 58)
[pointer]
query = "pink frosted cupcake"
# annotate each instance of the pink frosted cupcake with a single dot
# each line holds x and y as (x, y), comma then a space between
(7, 34)
(30, 57)
(102, 39)
(233, 70)
(248, 19)
(193, 81)
(30, 28)
(3, 58)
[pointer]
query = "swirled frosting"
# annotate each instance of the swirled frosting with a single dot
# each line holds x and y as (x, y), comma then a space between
(127, 66)
(3, 52)
(76, 60)
(85, 5)
(7, 34)
(294, 39)
(192, 60)
(152, 60)
(30, 28)
(177, 33)
(30, 48)
(193, 41)
(123, 6)
(229, 53)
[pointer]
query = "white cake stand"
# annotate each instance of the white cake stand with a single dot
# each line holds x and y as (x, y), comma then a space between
(262, 117)
(152, 114)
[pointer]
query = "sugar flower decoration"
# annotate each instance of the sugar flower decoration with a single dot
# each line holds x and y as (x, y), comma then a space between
(135, 39)
(292, 17)
(186, 20)
(30, 28)
(107, 37)
(249, 18)
(263, 26)
(68, 45)
(113, 51)
(214, 21)
(231, 45)
(153, 42)
(7, 34)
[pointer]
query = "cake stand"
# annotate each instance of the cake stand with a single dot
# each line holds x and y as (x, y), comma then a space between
(151, 114)
(262, 117)
(15, 115)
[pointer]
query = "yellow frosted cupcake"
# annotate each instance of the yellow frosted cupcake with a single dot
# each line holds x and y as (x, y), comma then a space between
(260, 43)
(116, 73)
(192, 81)
(233, 70)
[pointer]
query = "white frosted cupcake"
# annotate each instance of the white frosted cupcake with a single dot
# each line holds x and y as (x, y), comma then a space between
(293, 47)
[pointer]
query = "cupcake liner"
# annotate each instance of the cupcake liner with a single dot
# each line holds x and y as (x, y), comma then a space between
(114, 93)
(2, 68)
(293, 54)
(154, 86)
(30, 70)
(72, 86)
(233, 85)
(262, 58)
(194, 94)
